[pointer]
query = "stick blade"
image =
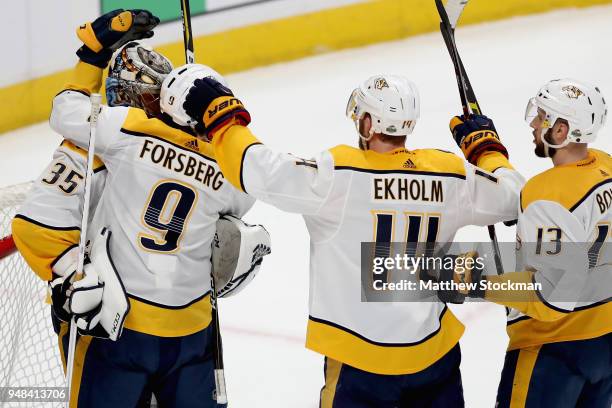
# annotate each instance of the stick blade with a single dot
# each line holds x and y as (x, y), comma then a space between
(454, 8)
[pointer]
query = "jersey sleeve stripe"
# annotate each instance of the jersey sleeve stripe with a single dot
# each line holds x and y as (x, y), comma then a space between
(595, 187)
(231, 148)
(98, 164)
(486, 175)
(40, 224)
(64, 252)
(242, 165)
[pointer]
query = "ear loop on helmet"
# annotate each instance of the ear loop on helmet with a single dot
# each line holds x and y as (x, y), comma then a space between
(351, 112)
(548, 144)
(364, 141)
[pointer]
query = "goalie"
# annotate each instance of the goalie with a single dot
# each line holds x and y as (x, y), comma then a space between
(148, 284)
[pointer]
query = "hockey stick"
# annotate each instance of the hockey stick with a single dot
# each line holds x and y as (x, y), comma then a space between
(96, 100)
(187, 34)
(450, 16)
(220, 390)
(219, 371)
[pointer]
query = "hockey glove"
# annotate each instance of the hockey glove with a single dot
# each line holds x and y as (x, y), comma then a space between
(111, 31)
(475, 136)
(80, 298)
(461, 276)
(108, 319)
(214, 107)
(237, 253)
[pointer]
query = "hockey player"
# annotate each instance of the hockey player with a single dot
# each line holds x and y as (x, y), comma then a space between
(162, 202)
(560, 350)
(46, 228)
(380, 353)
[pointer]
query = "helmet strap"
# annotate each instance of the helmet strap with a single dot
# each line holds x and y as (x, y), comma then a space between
(363, 140)
(549, 148)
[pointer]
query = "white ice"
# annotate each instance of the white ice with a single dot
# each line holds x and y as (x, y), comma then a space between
(299, 107)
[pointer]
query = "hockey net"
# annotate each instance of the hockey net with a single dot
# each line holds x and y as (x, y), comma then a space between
(29, 353)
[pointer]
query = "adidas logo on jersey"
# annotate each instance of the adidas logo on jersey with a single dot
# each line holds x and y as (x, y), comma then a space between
(409, 164)
(192, 144)
(604, 173)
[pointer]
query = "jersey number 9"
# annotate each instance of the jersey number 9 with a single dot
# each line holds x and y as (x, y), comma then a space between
(167, 211)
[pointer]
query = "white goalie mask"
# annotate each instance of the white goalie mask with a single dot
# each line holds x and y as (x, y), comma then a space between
(176, 86)
(392, 102)
(582, 105)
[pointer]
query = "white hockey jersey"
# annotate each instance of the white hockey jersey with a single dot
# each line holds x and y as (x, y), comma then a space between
(564, 236)
(348, 196)
(48, 223)
(163, 196)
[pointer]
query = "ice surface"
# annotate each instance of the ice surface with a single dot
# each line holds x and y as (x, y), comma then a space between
(299, 107)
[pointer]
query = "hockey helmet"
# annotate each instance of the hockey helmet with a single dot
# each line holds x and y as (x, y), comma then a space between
(176, 86)
(582, 105)
(392, 102)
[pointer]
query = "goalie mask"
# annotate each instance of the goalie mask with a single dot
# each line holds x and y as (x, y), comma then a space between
(581, 105)
(392, 102)
(135, 77)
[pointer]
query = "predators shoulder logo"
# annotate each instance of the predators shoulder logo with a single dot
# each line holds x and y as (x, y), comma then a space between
(381, 83)
(572, 92)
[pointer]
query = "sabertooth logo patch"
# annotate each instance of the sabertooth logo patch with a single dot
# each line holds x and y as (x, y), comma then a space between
(572, 92)
(380, 84)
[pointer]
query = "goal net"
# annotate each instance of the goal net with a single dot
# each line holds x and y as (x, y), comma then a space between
(29, 353)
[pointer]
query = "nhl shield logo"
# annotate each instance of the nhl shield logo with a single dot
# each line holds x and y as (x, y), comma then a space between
(572, 92)
(381, 83)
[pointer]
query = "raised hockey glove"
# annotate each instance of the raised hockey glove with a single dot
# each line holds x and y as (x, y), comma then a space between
(475, 136)
(237, 253)
(214, 106)
(111, 31)
(461, 276)
(71, 297)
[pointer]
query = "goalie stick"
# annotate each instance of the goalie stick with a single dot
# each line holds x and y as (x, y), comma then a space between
(449, 16)
(219, 372)
(96, 100)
